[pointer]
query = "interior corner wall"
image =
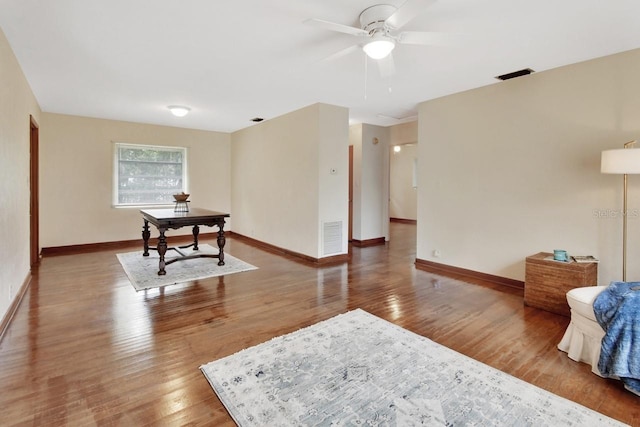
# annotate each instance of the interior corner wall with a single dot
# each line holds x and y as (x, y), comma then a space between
(17, 103)
(512, 169)
(282, 189)
(333, 171)
(76, 173)
(370, 181)
(403, 133)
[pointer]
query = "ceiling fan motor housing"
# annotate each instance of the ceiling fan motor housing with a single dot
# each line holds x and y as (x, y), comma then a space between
(373, 18)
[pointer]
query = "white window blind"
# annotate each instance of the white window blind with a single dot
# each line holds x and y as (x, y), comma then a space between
(148, 175)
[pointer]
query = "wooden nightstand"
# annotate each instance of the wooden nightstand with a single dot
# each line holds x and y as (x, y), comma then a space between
(547, 281)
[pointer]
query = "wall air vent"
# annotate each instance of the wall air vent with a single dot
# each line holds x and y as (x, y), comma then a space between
(257, 119)
(515, 74)
(332, 238)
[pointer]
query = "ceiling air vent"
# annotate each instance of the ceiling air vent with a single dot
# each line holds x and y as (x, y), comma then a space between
(257, 119)
(515, 74)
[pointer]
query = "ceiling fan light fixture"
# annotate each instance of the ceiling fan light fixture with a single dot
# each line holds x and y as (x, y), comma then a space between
(179, 110)
(379, 47)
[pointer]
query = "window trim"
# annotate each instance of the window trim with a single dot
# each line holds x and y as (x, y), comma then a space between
(116, 174)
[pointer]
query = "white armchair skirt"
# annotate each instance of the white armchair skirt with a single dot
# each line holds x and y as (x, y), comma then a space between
(583, 336)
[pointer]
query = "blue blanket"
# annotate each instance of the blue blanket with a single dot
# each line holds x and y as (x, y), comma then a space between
(617, 310)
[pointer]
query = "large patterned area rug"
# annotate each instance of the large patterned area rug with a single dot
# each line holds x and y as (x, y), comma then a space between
(143, 271)
(358, 369)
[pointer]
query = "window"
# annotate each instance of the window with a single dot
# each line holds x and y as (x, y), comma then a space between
(148, 175)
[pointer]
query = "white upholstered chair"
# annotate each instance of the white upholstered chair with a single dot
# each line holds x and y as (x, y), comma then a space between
(583, 336)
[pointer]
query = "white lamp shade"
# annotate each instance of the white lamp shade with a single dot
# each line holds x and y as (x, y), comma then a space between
(380, 47)
(621, 161)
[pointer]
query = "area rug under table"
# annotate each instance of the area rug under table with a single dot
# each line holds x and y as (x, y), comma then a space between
(143, 271)
(357, 369)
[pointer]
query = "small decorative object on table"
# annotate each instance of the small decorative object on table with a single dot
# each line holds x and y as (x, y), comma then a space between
(560, 255)
(181, 202)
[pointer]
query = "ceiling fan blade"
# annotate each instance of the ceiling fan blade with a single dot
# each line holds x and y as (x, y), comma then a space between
(332, 26)
(409, 10)
(431, 38)
(387, 66)
(341, 53)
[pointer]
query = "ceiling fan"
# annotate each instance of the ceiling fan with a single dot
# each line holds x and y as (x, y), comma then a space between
(379, 27)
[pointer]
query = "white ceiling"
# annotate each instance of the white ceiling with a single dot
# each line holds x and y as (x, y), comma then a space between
(234, 60)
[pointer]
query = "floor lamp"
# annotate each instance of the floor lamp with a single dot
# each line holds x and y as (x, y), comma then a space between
(623, 161)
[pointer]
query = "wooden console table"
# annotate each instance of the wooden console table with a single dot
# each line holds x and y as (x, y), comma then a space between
(165, 219)
(547, 281)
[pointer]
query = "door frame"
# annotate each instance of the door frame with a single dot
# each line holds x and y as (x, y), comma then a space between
(34, 200)
(350, 224)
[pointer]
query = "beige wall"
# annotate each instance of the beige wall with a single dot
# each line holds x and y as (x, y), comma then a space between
(16, 104)
(511, 169)
(282, 186)
(77, 172)
(333, 171)
(404, 133)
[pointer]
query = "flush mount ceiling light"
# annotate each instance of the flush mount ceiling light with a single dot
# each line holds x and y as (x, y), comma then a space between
(379, 47)
(179, 110)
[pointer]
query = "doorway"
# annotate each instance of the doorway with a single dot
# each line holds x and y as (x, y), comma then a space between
(403, 183)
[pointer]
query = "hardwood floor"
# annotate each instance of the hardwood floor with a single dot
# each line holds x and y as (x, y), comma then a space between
(85, 349)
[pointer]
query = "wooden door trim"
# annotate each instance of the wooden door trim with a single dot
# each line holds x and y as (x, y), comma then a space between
(34, 199)
(350, 226)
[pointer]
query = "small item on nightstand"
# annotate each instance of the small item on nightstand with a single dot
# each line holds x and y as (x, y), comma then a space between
(584, 258)
(560, 255)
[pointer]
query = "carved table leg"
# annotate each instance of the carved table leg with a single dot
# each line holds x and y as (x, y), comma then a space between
(162, 249)
(196, 231)
(221, 242)
(145, 238)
